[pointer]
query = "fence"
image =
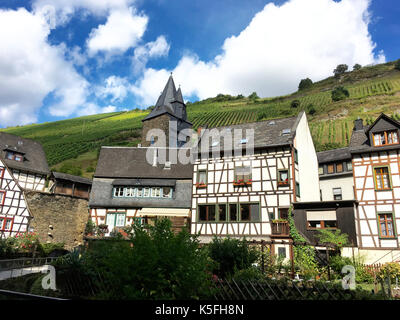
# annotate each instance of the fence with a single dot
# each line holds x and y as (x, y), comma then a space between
(280, 290)
(10, 264)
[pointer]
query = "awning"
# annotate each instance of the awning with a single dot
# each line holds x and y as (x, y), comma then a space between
(163, 212)
(321, 215)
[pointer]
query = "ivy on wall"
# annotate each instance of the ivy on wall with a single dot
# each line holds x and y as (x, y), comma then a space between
(304, 255)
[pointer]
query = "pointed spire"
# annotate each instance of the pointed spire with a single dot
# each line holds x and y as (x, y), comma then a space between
(179, 96)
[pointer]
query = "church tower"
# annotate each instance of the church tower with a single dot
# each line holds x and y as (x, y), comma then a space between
(168, 115)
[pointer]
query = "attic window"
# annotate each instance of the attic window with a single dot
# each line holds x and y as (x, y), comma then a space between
(286, 131)
(10, 155)
(386, 138)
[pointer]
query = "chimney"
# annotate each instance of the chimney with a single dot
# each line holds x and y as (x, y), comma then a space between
(358, 124)
(155, 158)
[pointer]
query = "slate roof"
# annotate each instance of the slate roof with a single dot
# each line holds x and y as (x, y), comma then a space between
(170, 102)
(129, 162)
(34, 156)
(267, 133)
(70, 177)
(334, 155)
(360, 141)
(102, 190)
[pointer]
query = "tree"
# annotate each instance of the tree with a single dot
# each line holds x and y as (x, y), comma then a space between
(336, 238)
(340, 69)
(305, 84)
(253, 96)
(340, 93)
(311, 110)
(397, 65)
(357, 67)
(295, 103)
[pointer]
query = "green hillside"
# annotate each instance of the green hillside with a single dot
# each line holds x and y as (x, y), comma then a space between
(75, 143)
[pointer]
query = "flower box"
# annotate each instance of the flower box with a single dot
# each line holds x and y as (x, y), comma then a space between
(242, 183)
(201, 185)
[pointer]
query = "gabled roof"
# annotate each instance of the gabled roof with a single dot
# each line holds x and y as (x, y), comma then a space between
(334, 155)
(70, 177)
(34, 156)
(269, 133)
(170, 102)
(131, 163)
(360, 141)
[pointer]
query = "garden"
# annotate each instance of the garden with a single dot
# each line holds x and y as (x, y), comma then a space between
(155, 263)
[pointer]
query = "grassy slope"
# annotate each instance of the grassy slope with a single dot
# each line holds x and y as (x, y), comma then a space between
(372, 90)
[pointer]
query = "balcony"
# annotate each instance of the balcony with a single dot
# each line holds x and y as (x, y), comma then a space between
(280, 228)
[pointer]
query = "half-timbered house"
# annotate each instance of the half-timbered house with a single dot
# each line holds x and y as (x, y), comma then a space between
(14, 214)
(248, 195)
(26, 159)
(375, 153)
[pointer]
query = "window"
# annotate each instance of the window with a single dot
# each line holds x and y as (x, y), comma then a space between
(222, 212)
(202, 177)
(115, 219)
(283, 213)
(249, 212)
(146, 192)
(297, 189)
(152, 140)
(296, 156)
(14, 156)
(207, 212)
(155, 192)
(282, 252)
(118, 192)
(385, 138)
(382, 178)
(339, 167)
(6, 223)
(321, 220)
(243, 174)
(349, 165)
(2, 197)
(386, 226)
(283, 178)
(139, 192)
(167, 192)
(233, 212)
(331, 168)
(320, 170)
(337, 193)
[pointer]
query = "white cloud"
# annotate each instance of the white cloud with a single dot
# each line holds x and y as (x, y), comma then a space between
(91, 108)
(122, 30)
(154, 49)
(280, 46)
(62, 10)
(115, 87)
(30, 69)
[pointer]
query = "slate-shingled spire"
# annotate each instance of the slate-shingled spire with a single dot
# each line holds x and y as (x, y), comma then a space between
(170, 101)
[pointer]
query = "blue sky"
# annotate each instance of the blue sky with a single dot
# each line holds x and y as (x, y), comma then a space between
(65, 58)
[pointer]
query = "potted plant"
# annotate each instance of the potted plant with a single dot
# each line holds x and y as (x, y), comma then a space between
(102, 229)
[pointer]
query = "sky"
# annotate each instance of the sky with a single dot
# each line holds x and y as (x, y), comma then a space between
(66, 58)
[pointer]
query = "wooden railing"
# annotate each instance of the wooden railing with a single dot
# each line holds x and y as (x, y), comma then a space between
(280, 228)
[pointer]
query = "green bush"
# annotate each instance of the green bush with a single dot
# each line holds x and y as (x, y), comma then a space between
(155, 264)
(340, 93)
(253, 96)
(390, 269)
(295, 104)
(249, 274)
(231, 254)
(44, 249)
(311, 110)
(357, 67)
(305, 84)
(70, 169)
(336, 238)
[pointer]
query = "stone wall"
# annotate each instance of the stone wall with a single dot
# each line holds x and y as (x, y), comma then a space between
(161, 122)
(58, 218)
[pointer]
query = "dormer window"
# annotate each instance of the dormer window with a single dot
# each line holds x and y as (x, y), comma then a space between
(14, 156)
(385, 138)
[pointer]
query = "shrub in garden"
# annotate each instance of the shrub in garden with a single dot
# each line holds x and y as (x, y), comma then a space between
(155, 263)
(231, 254)
(336, 238)
(340, 93)
(249, 274)
(390, 270)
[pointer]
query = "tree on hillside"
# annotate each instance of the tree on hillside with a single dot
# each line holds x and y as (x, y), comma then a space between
(305, 84)
(357, 67)
(310, 109)
(397, 65)
(340, 69)
(253, 96)
(340, 93)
